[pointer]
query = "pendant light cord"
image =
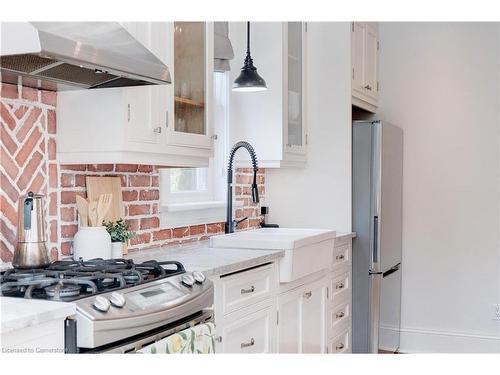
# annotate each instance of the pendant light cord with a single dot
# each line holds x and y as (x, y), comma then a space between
(248, 38)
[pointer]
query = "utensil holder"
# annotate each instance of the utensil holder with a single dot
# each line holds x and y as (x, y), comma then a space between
(92, 242)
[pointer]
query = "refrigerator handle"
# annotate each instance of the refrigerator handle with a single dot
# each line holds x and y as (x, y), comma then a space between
(375, 240)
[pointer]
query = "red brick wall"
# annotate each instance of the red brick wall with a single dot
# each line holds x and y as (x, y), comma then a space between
(141, 198)
(28, 162)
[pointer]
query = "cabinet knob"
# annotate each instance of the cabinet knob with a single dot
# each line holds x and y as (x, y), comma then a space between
(247, 344)
(157, 130)
(308, 294)
(340, 257)
(340, 315)
(250, 290)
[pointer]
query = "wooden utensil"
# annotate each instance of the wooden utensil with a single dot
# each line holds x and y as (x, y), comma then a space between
(107, 185)
(82, 206)
(103, 205)
(93, 213)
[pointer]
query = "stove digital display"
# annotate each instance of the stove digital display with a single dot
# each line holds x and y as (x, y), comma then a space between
(151, 293)
(155, 296)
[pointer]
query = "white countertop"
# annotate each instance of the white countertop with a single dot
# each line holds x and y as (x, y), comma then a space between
(209, 260)
(345, 235)
(18, 313)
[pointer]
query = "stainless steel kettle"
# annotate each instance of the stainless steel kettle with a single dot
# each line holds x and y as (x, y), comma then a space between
(31, 251)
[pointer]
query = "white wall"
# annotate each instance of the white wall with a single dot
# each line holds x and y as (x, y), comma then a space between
(319, 195)
(440, 83)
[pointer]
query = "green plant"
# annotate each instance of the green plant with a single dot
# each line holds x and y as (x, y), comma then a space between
(118, 230)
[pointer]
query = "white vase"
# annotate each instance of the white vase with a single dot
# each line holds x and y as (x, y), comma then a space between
(92, 242)
(116, 250)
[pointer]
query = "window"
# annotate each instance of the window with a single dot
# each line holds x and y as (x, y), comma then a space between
(185, 189)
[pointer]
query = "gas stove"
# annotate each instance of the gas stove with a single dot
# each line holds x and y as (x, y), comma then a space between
(120, 305)
(71, 280)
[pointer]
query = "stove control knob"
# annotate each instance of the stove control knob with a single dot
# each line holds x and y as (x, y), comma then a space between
(187, 280)
(117, 299)
(199, 277)
(101, 303)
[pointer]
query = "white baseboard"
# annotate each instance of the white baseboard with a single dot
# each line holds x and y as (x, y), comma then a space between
(415, 340)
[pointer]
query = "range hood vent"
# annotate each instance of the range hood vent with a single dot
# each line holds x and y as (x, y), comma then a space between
(76, 55)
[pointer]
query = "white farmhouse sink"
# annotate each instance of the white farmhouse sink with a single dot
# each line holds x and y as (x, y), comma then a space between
(306, 250)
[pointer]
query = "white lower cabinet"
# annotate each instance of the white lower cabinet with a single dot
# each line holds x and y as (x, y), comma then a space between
(340, 343)
(245, 310)
(251, 333)
(254, 313)
(302, 318)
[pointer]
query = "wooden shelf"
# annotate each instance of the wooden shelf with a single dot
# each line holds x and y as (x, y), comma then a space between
(189, 102)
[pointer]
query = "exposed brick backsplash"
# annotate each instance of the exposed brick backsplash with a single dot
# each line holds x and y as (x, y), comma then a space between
(28, 160)
(141, 199)
(28, 163)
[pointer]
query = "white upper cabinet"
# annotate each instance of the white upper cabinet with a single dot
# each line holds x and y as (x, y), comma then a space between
(364, 59)
(192, 68)
(142, 124)
(273, 121)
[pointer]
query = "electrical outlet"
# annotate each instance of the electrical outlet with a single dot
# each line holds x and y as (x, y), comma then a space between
(496, 311)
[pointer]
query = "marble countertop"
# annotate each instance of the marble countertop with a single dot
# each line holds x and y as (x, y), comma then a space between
(18, 313)
(209, 260)
(345, 235)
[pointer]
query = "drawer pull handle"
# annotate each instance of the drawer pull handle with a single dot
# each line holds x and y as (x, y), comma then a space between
(308, 294)
(339, 286)
(247, 344)
(340, 257)
(245, 291)
(340, 346)
(157, 130)
(216, 338)
(340, 315)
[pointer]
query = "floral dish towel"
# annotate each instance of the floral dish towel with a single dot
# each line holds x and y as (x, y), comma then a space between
(198, 339)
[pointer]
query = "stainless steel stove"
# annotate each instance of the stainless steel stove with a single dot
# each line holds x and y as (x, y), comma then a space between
(121, 306)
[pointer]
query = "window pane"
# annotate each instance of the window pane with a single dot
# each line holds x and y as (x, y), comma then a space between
(188, 179)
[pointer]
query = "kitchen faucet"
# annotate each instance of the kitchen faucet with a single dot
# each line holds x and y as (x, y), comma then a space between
(231, 224)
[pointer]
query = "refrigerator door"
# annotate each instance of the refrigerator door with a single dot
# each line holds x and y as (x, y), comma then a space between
(390, 234)
(363, 225)
(377, 192)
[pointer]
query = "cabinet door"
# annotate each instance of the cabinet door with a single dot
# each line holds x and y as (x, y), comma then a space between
(252, 333)
(371, 62)
(147, 107)
(192, 71)
(357, 56)
(314, 317)
(289, 321)
(142, 115)
(294, 126)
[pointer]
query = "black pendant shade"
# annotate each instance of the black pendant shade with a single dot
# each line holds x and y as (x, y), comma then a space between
(249, 79)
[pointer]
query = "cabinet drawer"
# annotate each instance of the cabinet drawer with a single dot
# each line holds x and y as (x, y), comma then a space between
(340, 288)
(250, 334)
(341, 343)
(341, 258)
(246, 288)
(338, 316)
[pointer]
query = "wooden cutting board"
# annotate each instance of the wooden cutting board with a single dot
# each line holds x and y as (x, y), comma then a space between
(107, 185)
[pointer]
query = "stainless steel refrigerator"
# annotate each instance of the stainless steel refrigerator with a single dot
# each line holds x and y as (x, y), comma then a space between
(377, 162)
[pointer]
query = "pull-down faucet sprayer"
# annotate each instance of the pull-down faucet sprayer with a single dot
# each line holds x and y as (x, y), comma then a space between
(231, 224)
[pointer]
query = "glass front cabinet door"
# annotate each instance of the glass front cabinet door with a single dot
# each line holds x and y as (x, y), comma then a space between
(295, 136)
(192, 71)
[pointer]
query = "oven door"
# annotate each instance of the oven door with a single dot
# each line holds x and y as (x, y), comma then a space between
(134, 343)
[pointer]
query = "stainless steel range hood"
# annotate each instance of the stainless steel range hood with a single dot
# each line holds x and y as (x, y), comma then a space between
(76, 55)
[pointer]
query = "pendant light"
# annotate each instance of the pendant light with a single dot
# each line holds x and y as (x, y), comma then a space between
(249, 80)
